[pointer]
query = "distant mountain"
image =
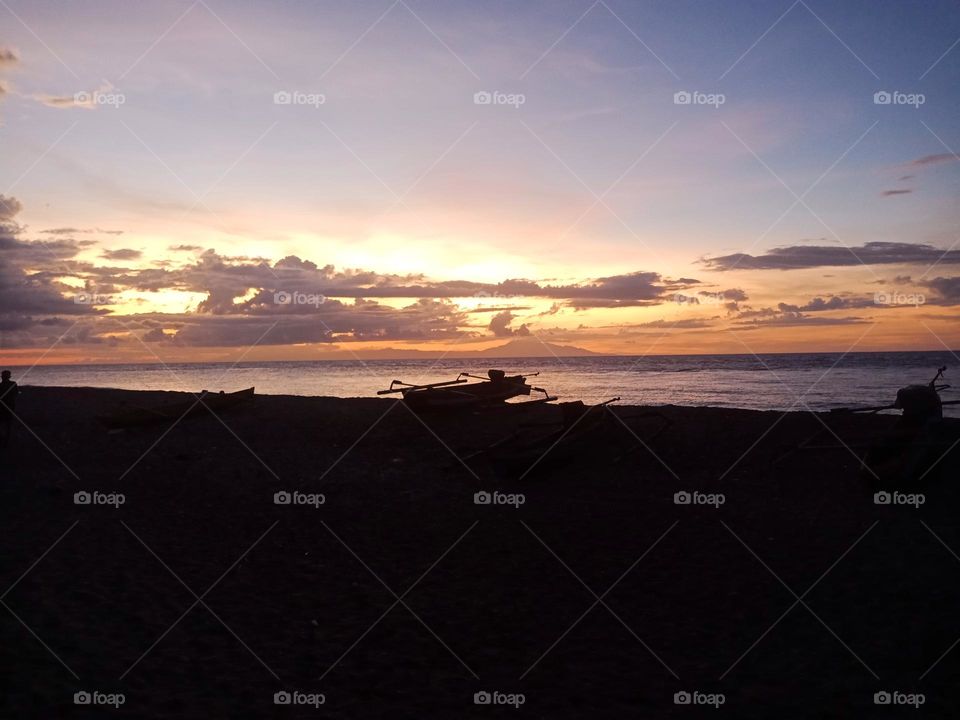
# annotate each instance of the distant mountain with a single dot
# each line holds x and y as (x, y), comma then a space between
(528, 347)
(518, 348)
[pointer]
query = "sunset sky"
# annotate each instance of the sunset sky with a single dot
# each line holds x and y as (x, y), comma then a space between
(209, 180)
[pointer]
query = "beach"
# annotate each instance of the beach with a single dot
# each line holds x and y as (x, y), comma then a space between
(387, 586)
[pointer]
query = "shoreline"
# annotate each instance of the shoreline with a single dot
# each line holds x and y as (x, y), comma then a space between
(176, 394)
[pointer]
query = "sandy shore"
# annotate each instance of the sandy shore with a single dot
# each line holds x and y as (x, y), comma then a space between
(501, 598)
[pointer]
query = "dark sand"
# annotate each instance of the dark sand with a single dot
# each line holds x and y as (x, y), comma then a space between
(511, 588)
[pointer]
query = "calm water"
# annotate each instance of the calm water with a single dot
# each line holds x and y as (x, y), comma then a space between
(772, 382)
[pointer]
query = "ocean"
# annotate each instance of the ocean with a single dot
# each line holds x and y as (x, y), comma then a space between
(816, 381)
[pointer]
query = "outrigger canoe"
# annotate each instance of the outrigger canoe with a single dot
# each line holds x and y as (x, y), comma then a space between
(137, 416)
(460, 394)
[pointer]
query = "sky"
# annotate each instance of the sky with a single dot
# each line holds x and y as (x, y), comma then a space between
(211, 180)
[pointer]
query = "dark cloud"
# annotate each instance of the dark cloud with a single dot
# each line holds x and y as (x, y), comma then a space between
(818, 304)
(789, 316)
(9, 207)
(185, 248)
(8, 56)
(889, 193)
(897, 279)
(947, 287)
(500, 326)
(121, 254)
(735, 294)
(686, 323)
(155, 335)
(333, 321)
(30, 290)
(809, 256)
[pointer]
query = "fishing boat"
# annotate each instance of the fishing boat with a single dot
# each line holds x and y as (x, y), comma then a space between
(917, 448)
(137, 416)
(460, 394)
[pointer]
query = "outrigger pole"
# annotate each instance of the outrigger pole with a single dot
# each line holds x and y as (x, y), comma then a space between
(407, 386)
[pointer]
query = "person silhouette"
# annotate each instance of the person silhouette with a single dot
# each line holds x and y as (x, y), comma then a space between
(8, 404)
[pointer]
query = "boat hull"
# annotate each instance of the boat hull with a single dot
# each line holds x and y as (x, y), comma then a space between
(200, 404)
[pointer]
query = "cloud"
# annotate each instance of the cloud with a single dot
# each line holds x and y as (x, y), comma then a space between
(85, 99)
(185, 248)
(888, 193)
(240, 296)
(121, 254)
(810, 256)
(947, 287)
(30, 292)
(818, 304)
(933, 160)
(686, 323)
(155, 335)
(789, 316)
(332, 321)
(79, 231)
(9, 207)
(500, 325)
(498, 309)
(735, 294)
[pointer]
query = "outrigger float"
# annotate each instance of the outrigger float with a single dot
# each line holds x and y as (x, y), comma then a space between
(461, 394)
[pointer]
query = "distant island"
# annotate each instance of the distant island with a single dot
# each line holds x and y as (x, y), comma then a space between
(516, 348)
